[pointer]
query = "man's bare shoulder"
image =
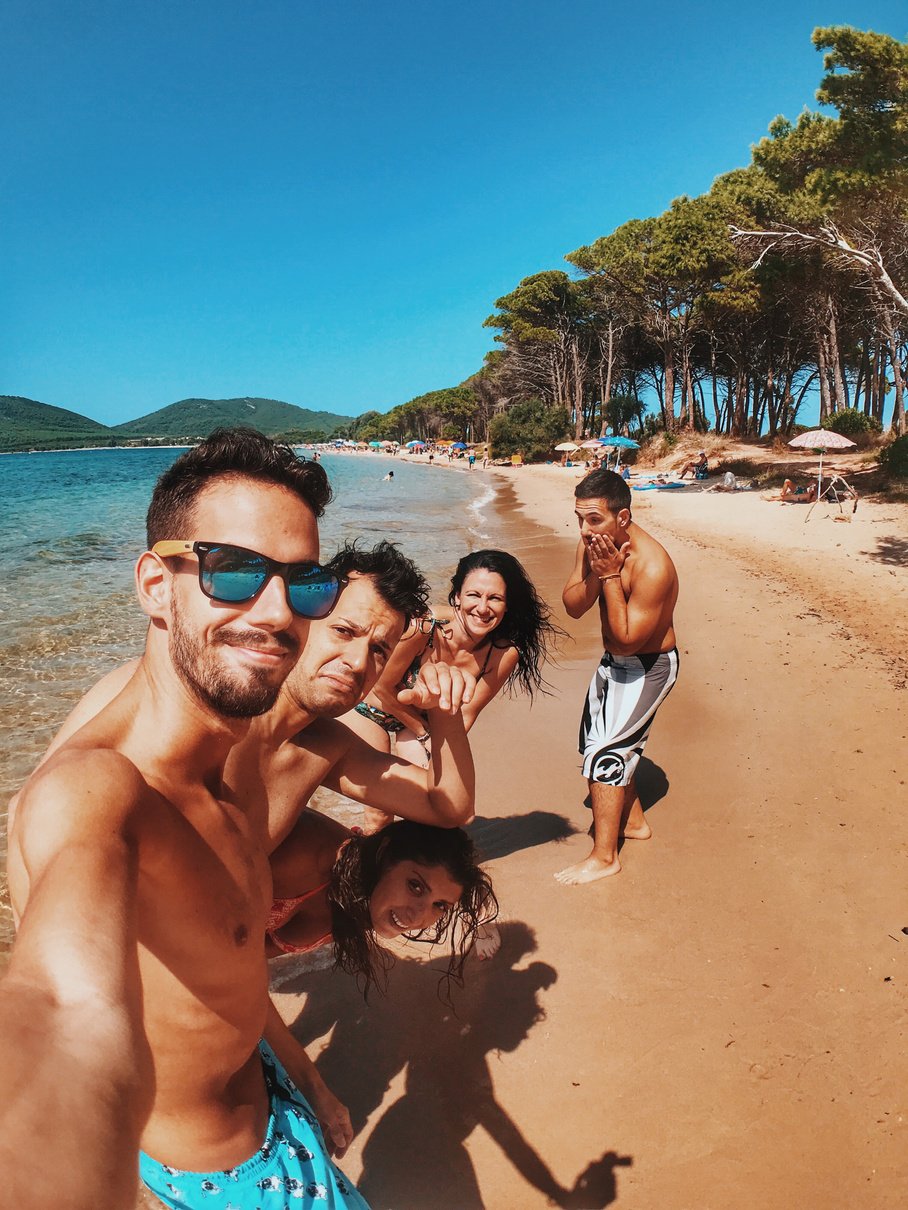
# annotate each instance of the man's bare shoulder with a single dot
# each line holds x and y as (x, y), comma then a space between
(89, 799)
(650, 557)
(80, 790)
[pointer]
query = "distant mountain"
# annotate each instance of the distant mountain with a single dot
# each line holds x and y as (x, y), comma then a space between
(27, 424)
(191, 418)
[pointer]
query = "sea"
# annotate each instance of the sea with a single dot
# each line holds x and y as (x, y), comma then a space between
(72, 525)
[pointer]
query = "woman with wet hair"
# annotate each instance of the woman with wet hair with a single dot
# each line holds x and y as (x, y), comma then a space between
(342, 887)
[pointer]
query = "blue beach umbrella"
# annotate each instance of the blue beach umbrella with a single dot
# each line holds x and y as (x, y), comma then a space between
(412, 445)
(619, 444)
(376, 445)
(459, 445)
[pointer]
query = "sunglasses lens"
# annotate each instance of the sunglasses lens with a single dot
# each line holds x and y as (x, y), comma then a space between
(232, 575)
(313, 591)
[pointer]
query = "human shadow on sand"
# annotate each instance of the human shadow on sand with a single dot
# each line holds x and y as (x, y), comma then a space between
(501, 837)
(416, 1155)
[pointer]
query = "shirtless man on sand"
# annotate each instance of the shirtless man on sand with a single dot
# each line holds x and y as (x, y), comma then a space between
(297, 746)
(164, 874)
(624, 570)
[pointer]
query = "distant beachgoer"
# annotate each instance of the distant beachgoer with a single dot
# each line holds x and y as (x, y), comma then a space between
(390, 475)
(624, 570)
(471, 459)
(625, 473)
(698, 468)
(431, 457)
(793, 493)
(485, 461)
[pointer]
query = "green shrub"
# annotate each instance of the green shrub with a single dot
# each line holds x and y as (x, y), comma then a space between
(530, 429)
(850, 422)
(894, 458)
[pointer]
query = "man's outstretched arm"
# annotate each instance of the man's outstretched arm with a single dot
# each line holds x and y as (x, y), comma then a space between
(75, 1068)
(443, 794)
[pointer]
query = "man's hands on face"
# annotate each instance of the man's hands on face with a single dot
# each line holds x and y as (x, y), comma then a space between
(439, 687)
(604, 557)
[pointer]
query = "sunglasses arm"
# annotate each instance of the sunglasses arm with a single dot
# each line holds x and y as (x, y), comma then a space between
(167, 549)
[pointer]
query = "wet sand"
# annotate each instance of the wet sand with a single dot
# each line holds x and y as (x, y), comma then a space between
(722, 1024)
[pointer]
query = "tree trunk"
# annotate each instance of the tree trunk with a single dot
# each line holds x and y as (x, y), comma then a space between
(898, 406)
(607, 391)
(772, 410)
(715, 387)
(668, 407)
(822, 367)
(835, 360)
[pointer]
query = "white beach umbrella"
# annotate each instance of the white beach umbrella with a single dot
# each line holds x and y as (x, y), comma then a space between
(596, 444)
(566, 447)
(822, 441)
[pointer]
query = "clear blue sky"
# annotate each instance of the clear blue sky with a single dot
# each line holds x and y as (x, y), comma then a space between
(321, 202)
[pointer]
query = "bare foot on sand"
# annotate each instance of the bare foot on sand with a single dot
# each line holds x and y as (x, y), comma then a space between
(587, 871)
(640, 831)
(487, 941)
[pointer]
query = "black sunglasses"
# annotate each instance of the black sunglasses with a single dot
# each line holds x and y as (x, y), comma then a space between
(232, 575)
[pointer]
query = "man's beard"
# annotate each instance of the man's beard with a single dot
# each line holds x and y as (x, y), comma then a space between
(224, 690)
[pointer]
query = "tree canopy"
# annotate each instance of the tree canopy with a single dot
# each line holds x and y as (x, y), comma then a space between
(789, 275)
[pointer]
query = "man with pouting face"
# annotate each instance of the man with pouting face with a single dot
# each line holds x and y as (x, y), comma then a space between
(140, 880)
(624, 570)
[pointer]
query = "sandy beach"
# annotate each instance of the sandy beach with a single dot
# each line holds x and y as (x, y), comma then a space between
(722, 1024)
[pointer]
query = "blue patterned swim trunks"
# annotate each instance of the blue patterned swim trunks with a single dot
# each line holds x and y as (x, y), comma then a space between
(291, 1171)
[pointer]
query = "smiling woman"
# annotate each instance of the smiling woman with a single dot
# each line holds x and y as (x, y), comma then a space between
(408, 880)
(495, 627)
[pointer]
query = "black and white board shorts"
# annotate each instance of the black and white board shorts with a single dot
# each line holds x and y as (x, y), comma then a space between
(621, 703)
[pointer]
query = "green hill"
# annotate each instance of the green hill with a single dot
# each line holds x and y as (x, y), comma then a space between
(27, 424)
(193, 418)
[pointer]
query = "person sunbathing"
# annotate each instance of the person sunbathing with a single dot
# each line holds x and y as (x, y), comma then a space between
(792, 493)
(698, 468)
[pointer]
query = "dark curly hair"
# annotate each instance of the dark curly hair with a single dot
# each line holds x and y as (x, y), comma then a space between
(527, 623)
(399, 581)
(604, 485)
(239, 452)
(360, 864)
